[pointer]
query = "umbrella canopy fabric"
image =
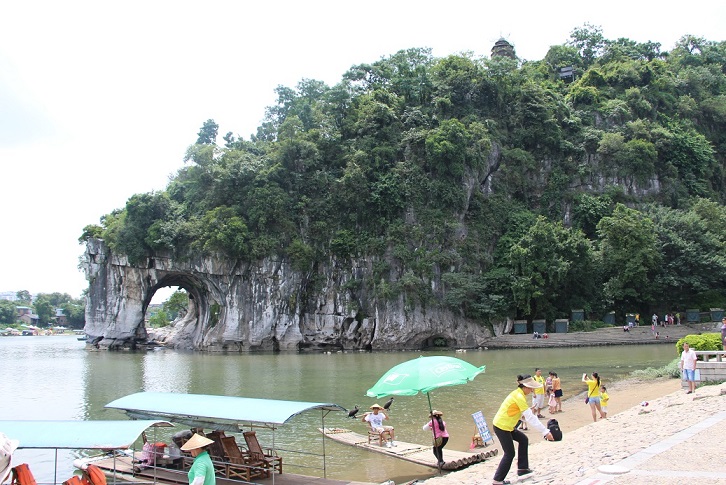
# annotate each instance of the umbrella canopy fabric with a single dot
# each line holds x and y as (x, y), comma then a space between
(424, 374)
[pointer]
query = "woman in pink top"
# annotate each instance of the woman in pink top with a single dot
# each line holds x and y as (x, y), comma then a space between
(441, 436)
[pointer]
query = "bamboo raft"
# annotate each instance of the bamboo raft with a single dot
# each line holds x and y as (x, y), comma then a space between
(415, 453)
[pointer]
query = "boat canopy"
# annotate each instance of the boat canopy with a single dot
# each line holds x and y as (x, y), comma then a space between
(79, 435)
(228, 413)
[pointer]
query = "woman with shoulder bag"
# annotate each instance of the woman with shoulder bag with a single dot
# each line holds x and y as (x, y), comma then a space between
(441, 436)
(593, 394)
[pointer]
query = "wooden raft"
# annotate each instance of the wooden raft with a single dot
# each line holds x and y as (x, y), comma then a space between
(415, 453)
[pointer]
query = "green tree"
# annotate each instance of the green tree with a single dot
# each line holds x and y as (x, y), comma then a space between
(159, 319)
(177, 304)
(23, 296)
(75, 313)
(208, 133)
(45, 310)
(8, 312)
(630, 258)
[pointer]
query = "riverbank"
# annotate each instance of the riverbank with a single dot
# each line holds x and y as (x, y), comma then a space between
(676, 437)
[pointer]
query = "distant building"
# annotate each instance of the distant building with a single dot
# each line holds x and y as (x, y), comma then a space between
(502, 48)
(60, 318)
(23, 310)
(8, 295)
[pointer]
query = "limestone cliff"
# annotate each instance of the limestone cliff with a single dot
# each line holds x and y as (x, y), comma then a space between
(263, 306)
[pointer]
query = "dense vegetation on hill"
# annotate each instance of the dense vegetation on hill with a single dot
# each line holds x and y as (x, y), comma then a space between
(522, 193)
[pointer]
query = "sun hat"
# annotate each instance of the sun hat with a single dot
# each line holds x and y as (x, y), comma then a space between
(196, 441)
(531, 383)
(376, 406)
(436, 413)
(7, 448)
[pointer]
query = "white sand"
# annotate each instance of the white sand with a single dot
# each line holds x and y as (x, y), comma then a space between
(629, 429)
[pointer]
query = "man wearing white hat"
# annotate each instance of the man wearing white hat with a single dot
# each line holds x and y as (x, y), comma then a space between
(202, 470)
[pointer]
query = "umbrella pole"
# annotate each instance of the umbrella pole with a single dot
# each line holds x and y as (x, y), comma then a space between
(433, 431)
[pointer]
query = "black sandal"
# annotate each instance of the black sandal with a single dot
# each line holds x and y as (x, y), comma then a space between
(524, 472)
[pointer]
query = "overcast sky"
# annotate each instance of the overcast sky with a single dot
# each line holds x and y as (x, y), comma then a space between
(99, 100)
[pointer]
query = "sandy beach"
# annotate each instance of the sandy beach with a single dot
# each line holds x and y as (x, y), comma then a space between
(674, 439)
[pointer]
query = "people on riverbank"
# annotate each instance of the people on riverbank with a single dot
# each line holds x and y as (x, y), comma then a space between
(513, 408)
(557, 389)
(687, 365)
(604, 398)
(539, 393)
(437, 426)
(593, 394)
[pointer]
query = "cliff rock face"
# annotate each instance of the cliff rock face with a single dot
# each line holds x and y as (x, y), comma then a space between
(263, 306)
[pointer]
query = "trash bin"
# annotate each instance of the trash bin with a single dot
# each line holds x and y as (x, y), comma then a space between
(520, 326)
(578, 315)
(539, 326)
(716, 314)
(630, 318)
(561, 325)
(609, 318)
(693, 316)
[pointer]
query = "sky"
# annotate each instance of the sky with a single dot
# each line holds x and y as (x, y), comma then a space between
(100, 100)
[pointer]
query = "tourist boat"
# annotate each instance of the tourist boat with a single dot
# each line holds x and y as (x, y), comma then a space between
(115, 439)
(228, 414)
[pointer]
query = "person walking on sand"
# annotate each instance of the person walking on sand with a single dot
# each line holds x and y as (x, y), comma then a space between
(593, 394)
(539, 394)
(604, 398)
(557, 389)
(441, 436)
(688, 366)
(513, 408)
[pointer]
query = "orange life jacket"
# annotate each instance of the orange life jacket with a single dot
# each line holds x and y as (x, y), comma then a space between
(22, 475)
(94, 475)
(75, 480)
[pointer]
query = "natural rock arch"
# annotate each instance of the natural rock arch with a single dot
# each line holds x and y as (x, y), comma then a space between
(264, 305)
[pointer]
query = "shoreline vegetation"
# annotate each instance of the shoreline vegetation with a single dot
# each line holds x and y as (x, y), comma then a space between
(646, 407)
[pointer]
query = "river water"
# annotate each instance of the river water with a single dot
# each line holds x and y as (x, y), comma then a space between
(58, 378)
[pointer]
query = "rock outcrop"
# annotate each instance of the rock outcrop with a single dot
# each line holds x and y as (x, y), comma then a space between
(264, 306)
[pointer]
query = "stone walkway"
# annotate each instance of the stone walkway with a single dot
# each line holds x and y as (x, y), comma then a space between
(603, 336)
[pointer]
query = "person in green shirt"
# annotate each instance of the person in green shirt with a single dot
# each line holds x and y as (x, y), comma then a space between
(202, 470)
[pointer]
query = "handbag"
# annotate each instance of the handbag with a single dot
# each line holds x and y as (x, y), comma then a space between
(587, 399)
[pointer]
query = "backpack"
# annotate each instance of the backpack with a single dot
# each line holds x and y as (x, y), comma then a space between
(22, 475)
(554, 428)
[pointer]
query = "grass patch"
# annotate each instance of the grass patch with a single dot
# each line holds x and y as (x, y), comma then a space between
(669, 370)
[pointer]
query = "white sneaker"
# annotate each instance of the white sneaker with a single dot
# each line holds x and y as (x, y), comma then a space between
(388, 444)
(393, 443)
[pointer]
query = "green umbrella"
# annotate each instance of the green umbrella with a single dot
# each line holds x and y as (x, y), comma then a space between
(424, 375)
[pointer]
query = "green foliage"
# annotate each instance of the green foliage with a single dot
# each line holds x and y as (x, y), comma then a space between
(177, 304)
(44, 309)
(461, 178)
(702, 342)
(8, 312)
(159, 319)
(629, 257)
(669, 370)
(23, 296)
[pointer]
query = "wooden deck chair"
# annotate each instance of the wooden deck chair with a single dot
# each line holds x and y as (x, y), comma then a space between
(268, 456)
(216, 451)
(241, 465)
(381, 436)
